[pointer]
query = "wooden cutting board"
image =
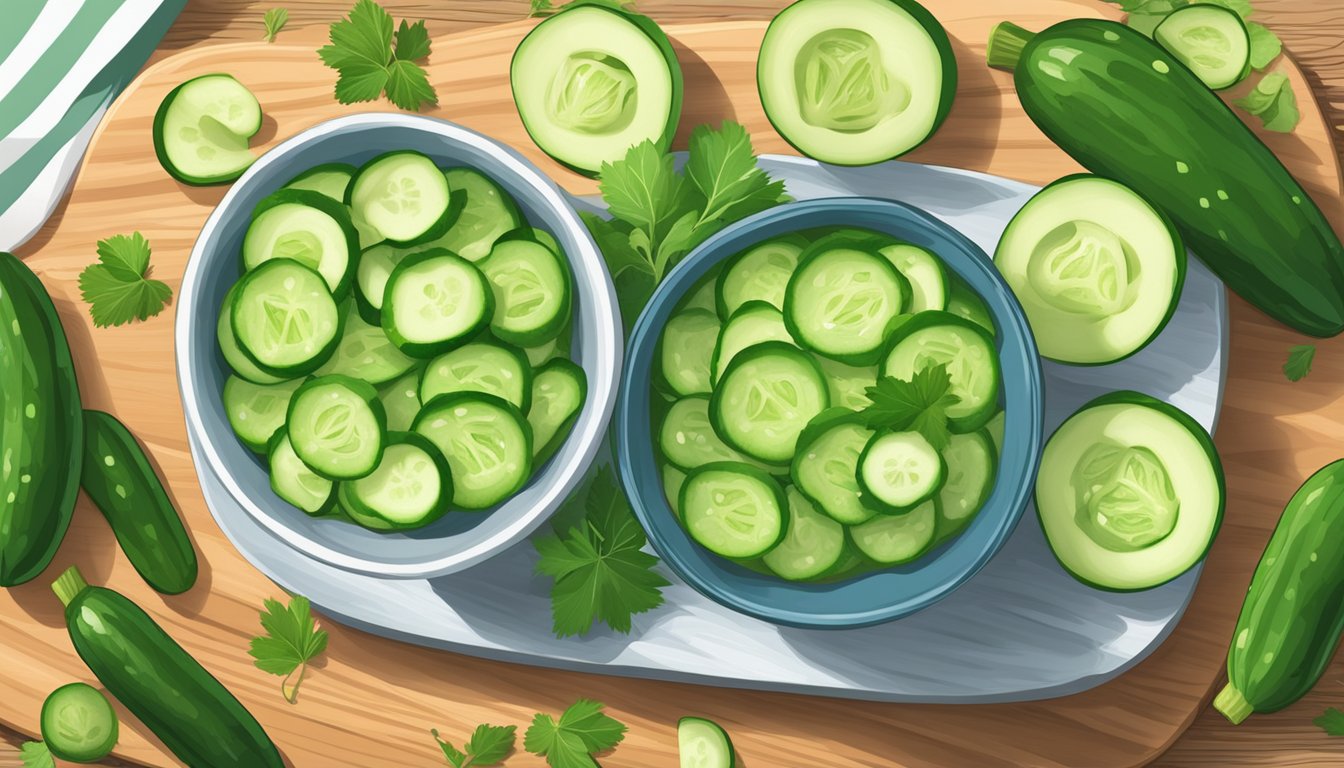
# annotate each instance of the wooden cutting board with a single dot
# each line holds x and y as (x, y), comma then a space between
(372, 701)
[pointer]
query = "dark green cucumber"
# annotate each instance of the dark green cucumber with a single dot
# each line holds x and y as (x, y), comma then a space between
(194, 716)
(118, 477)
(41, 426)
(1126, 109)
(1293, 615)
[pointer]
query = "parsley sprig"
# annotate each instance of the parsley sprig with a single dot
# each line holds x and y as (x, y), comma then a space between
(372, 61)
(919, 404)
(582, 731)
(292, 638)
(274, 20)
(35, 754)
(1300, 358)
(488, 745)
(118, 288)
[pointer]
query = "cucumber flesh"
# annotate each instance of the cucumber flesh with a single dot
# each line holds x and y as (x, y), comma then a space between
(434, 301)
(1209, 39)
(401, 400)
(403, 196)
(825, 468)
(257, 411)
(365, 353)
(971, 465)
(532, 292)
(812, 545)
(296, 482)
(559, 390)
(306, 227)
(901, 469)
(733, 509)
(336, 425)
(841, 300)
(753, 323)
(285, 319)
(767, 396)
(673, 479)
(759, 274)
(896, 539)
(241, 364)
(487, 442)
(331, 180)
(923, 271)
(79, 724)
(489, 212)
(410, 488)
(686, 350)
(848, 384)
(202, 128)
(479, 367)
(941, 338)
(703, 743)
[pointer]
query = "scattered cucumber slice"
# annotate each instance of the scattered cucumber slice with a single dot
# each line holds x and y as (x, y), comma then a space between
(306, 227)
(1209, 39)
(295, 482)
(79, 724)
(703, 743)
(434, 301)
(559, 390)
(403, 196)
(901, 470)
(285, 319)
(532, 292)
(768, 394)
(896, 539)
(479, 367)
(813, 543)
(257, 411)
(202, 128)
(487, 442)
(733, 509)
(411, 487)
(336, 425)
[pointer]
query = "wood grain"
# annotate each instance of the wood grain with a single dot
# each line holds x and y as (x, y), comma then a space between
(373, 701)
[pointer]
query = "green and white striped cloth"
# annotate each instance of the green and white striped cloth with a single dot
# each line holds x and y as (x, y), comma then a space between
(61, 64)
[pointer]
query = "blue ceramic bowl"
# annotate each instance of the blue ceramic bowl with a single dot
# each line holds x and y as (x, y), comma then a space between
(870, 598)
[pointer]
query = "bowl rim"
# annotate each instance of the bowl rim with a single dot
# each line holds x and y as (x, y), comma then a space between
(639, 471)
(587, 262)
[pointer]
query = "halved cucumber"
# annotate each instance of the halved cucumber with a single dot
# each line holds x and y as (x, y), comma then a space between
(1097, 268)
(487, 442)
(257, 411)
(964, 303)
(686, 350)
(896, 539)
(760, 273)
(848, 384)
(559, 390)
(330, 179)
(1209, 39)
(411, 487)
(813, 544)
(972, 462)
(364, 352)
(532, 292)
(403, 195)
(825, 468)
(479, 367)
(841, 299)
(753, 323)
(401, 400)
(295, 482)
(901, 470)
(703, 743)
(941, 338)
(284, 318)
(768, 394)
(488, 213)
(434, 301)
(923, 271)
(233, 354)
(336, 425)
(202, 128)
(688, 440)
(733, 509)
(673, 479)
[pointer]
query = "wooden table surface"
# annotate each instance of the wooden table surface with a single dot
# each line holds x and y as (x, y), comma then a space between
(1313, 31)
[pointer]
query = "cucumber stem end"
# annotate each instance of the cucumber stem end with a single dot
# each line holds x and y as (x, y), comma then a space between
(1232, 704)
(69, 584)
(1006, 42)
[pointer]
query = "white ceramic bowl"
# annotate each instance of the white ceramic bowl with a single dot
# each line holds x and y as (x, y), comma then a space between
(460, 539)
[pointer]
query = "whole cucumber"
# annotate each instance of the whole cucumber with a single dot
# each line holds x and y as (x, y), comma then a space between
(1126, 109)
(41, 426)
(146, 670)
(1291, 620)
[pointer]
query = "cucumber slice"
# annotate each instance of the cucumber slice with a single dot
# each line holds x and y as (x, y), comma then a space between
(687, 350)
(487, 442)
(532, 292)
(971, 465)
(202, 128)
(257, 411)
(703, 743)
(375, 267)
(295, 482)
(673, 479)
(896, 539)
(306, 227)
(368, 236)
(842, 298)
(759, 274)
(848, 384)
(933, 338)
(703, 296)
(233, 354)
(923, 271)
(488, 213)
(285, 319)
(594, 80)
(401, 400)
(364, 352)
(479, 367)
(962, 302)
(336, 425)
(559, 390)
(767, 396)
(754, 323)
(733, 509)
(330, 179)
(411, 488)
(79, 724)
(813, 544)
(403, 196)
(994, 428)
(901, 470)
(855, 82)
(1209, 39)
(825, 468)
(687, 438)
(434, 301)
(1097, 268)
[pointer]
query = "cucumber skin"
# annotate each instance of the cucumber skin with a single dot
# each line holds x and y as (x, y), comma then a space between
(161, 149)
(1160, 118)
(161, 684)
(38, 372)
(144, 520)
(1301, 631)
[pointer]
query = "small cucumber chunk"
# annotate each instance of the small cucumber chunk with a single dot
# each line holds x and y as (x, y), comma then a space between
(941, 338)
(733, 509)
(760, 273)
(365, 353)
(825, 467)
(488, 213)
(923, 271)
(767, 396)
(487, 442)
(1209, 39)
(842, 298)
(686, 351)
(257, 411)
(434, 301)
(813, 544)
(532, 292)
(479, 367)
(703, 743)
(411, 487)
(336, 425)
(896, 539)
(403, 196)
(901, 470)
(306, 227)
(79, 724)
(296, 482)
(202, 128)
(285, 319)
(559, 390)
(753, 323)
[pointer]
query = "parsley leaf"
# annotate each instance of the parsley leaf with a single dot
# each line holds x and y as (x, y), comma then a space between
(1331, 721)
(541, 8)
(489, 745)
(371, 63)
(118, 289)
(1272, 100)
(583, 730)
(1299, 362)
(919, 404)
(34, 754)
(274, 20)
(600, 572)
(722, 166)
(292, 639)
